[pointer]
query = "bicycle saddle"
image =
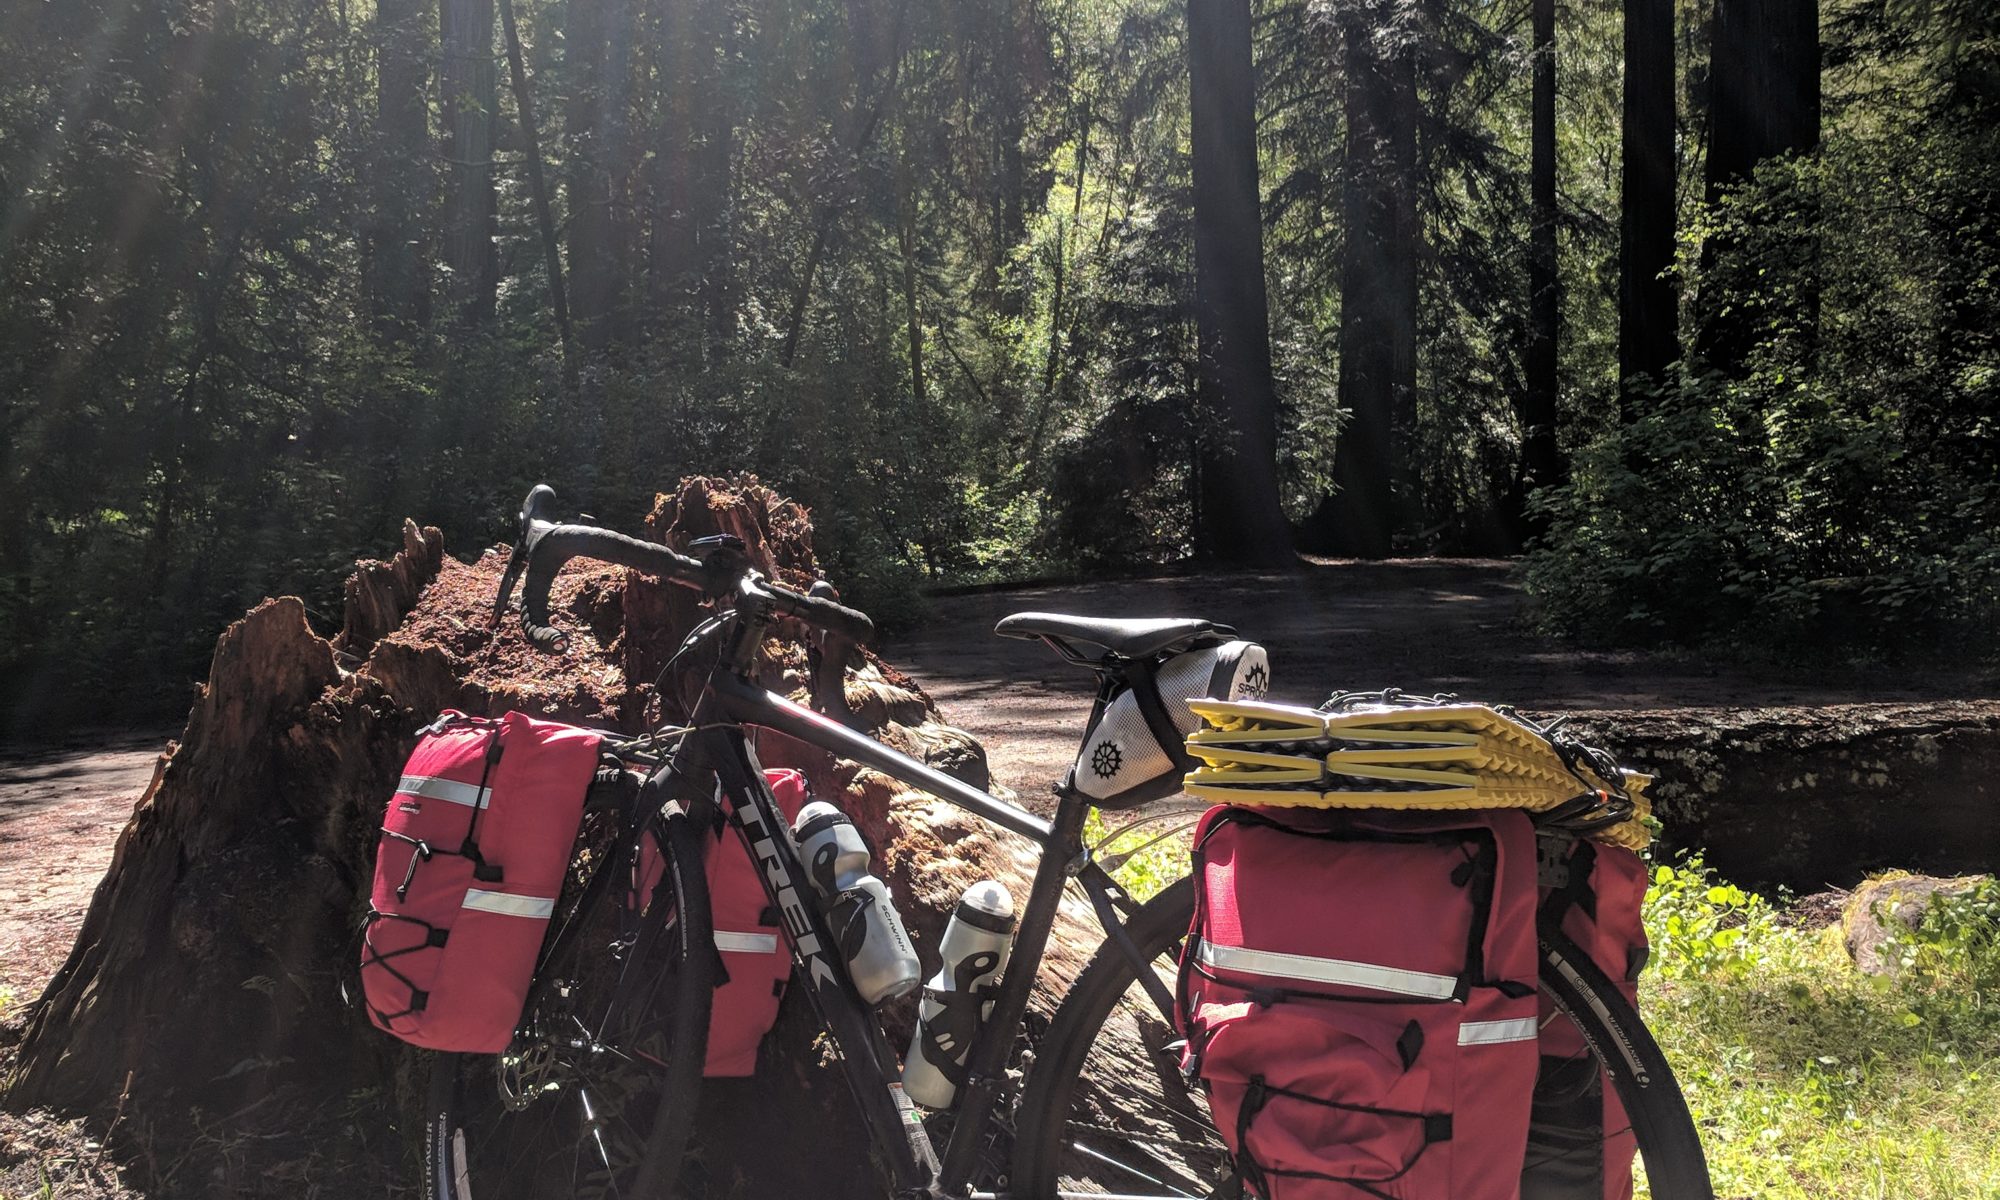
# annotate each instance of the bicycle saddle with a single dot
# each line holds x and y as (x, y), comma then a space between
(1125, 637)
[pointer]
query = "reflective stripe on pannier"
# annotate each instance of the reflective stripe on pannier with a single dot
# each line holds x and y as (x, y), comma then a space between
(1358, 998)
(1580, 1143)
(473, 849)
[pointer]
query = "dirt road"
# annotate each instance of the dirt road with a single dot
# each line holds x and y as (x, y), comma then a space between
(1423, 625)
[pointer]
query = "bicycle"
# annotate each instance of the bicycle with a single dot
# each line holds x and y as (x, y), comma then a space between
(597, 1093)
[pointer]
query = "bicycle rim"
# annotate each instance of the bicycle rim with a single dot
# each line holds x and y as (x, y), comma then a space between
(596, 1095)
(1105, 1111)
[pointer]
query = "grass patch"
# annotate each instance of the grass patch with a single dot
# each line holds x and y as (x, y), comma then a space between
(1810, 1079)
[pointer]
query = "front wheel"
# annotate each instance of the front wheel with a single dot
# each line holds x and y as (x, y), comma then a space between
(1107, 1111)
(597, 1094)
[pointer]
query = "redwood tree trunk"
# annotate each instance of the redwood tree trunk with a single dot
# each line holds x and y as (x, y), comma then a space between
(397, 274)
(1378, 299)
(1764, 100)
(470, 103)
(1648, 309)
(1240, 517)
(1541, 458)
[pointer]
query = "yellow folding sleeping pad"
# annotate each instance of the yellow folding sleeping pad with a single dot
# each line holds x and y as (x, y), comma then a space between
(1388, 750)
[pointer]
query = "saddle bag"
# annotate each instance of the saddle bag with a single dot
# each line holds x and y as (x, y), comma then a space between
(1133, 751)
(1358, 998)
(756, 963)
(473, 850)
(1580, 1144)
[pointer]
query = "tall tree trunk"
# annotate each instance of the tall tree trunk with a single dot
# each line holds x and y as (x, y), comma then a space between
(531, 141)
(1240, 517)
(470, 101)
(592, 134)
(715, 196)
(1764, 100)
(1541, 458)
(397, 271)
(1648, 309)
(906, 235)
(1378, 298)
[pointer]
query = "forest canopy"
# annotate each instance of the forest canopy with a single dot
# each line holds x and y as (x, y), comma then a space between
(1694, 300)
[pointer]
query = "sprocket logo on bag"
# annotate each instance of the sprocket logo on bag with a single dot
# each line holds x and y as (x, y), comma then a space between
(1106, 760)
(1253, 684)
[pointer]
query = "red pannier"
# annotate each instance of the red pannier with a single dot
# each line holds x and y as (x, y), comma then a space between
(1580, 1144)
(1358, 997)
(755, 960)
(473, 850)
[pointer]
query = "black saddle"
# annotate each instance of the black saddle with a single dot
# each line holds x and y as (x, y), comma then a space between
(1126, 638)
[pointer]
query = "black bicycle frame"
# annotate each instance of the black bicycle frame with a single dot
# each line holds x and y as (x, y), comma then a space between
(866, 1058)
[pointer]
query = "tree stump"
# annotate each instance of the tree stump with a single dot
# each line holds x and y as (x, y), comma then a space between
(202, 1003)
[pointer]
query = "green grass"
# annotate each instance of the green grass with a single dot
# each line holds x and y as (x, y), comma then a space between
(1810, 1079)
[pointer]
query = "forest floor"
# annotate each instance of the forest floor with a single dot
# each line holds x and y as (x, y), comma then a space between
(1423, 625)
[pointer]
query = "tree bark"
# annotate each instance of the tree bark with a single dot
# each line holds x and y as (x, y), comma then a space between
(470, 102)
(1648, 308)
(531, 141)
(592, 257)
(1807, 797)
(715, 193)
(397, 270)
(1541, 457)
(1764, 101)
(1378, 299)
(1240, 516)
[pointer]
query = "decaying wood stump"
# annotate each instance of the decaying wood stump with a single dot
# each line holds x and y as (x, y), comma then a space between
(1804, 797)
(202, 1000)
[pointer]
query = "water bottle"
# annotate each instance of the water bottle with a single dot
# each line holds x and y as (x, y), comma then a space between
(865, 925)
(956, 999)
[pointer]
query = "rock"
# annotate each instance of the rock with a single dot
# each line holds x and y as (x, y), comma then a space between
(1882, 910)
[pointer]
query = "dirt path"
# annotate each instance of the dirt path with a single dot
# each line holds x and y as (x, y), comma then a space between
(60, 812)
(1451, 625)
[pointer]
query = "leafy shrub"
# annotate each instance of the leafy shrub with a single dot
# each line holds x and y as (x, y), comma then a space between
(1701, 928)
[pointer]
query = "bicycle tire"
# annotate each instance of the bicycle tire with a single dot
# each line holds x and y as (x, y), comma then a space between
(1184, 1156)
(596, 1097)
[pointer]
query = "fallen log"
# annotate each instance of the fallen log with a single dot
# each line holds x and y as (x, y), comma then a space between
(202, 1000)
(1810, 797)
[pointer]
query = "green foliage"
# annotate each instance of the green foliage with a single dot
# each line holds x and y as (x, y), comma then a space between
(1843, 487)
(1701, 928)
(1810, 1079)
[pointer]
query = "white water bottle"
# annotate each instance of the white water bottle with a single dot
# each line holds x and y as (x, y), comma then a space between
(956, 1000)
(865, 924)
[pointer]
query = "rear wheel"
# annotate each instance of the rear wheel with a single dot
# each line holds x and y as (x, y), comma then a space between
(1106, 1110)
(596, 1095)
